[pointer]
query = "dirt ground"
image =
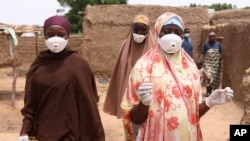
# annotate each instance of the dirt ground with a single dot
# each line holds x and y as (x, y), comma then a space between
(214, 125)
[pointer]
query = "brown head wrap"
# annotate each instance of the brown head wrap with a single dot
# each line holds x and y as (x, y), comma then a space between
(57, 20)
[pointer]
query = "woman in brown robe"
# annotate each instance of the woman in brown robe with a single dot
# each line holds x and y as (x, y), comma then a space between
(61, 97)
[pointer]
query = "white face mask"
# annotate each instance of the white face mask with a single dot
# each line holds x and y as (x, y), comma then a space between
(138, 38)
(170, 43)
(56, 44)
(187, 35)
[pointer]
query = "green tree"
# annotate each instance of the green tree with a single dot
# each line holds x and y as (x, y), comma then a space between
(216, 6)
(223, 6)
(247, 7)
(76, 6)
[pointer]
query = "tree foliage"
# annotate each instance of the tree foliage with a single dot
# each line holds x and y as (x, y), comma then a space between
(76, 6)
(247, 7)
(216, 6)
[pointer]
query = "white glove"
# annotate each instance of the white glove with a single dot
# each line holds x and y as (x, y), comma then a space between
(220, 96)
(145, 93)
(23, 138)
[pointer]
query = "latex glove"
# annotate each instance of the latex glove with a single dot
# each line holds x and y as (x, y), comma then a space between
(23, 138)
(145, 93)
(220, 96)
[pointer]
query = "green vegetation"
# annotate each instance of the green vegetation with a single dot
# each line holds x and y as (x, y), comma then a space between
(247, 7)
(216, 6)
(76, 6)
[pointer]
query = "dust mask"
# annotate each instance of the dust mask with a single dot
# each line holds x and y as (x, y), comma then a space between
(56, 44)
(187, 35)
(170, 43)
(138, 38)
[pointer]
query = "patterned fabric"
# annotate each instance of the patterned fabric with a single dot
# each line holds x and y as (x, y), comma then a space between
(168, 18)
(213, 67)
(174, 112)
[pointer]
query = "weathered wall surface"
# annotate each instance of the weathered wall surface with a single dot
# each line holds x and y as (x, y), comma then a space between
(245, 88)
(5, 52)
(233, 31)
(234, 27)
(25, 51)
(236, 54)
(226, 16)
(106, 26)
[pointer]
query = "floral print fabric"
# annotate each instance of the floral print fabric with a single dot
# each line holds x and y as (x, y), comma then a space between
(173, 114)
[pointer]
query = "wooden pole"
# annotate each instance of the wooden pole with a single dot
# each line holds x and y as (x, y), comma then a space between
(36, 42)
(13, 96)
(13, 62)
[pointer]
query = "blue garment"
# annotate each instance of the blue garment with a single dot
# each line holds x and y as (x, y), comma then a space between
(208, 46)
(188, 46)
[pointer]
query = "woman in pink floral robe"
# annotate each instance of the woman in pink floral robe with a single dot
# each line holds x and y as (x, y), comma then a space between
(173, 114)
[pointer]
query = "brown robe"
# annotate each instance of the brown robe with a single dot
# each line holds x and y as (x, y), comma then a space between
(61, 98)
(129, 53)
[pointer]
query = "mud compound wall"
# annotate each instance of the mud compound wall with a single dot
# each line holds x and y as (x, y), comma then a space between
(235, 41)
(25, 51)
(226, 16)
(105, 27)
(236, 54)
(245, 87)
(234, 27)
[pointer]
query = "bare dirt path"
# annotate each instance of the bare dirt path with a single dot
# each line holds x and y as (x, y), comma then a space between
(214, 125)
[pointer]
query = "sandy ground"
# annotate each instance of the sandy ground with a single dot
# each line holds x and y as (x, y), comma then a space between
(214, 125)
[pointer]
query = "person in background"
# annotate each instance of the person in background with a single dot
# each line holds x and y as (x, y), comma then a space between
(211, 56)
(138, 40)
(163, 94)
(203, 73)
(60, 102)
(187, 42)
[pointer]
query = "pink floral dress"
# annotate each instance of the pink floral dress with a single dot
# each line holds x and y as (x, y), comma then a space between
(174, 111)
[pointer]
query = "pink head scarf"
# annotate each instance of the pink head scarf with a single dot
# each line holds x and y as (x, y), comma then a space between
(168, 18)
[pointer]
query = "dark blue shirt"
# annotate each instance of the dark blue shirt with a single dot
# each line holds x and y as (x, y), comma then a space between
(188, 46)
(208, 46)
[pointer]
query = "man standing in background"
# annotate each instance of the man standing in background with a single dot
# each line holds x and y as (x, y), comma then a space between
(187, 43)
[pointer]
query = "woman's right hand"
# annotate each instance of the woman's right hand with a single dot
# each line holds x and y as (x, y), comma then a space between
(145, 93)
